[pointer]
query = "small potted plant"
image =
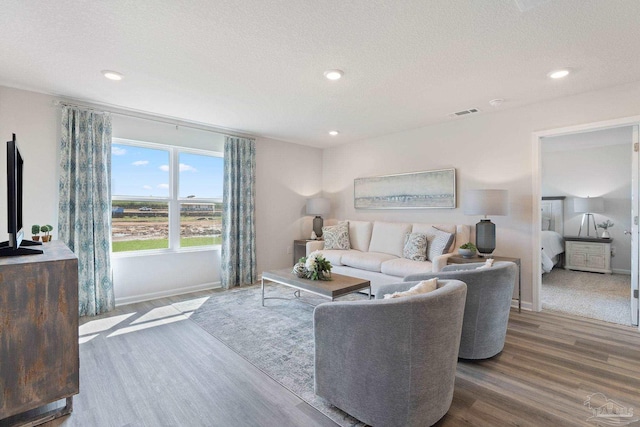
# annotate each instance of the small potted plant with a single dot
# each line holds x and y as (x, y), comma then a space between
(35, 232)
(605, 225)
(468, 250)
(46, 229)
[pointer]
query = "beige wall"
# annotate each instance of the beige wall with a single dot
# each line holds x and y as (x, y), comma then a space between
(490, 150)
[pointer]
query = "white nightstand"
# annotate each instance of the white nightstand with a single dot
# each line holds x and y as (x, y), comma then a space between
(588, 254)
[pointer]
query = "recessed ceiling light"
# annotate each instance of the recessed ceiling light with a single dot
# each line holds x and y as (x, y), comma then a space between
(558, 74)
(333, 132)
(496, 102)
(112, 75)
(333, 74)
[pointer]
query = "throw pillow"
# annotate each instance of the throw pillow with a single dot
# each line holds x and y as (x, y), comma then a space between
(336, 236)
(423, 287)
(487, 264)
(439, 242)
(415, 247)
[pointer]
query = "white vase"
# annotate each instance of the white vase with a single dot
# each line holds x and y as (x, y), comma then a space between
(605, 234)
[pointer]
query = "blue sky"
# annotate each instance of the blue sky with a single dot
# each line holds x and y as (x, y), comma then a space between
(141, 171)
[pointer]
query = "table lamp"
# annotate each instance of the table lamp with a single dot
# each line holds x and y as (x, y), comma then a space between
(588, 206)
(486, 202)
(318, 207)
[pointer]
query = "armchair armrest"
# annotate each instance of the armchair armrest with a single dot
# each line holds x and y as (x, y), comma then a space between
(463, 267)
(420, 276)
(314, 245)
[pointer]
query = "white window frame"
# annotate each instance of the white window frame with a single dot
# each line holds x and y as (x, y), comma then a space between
(173, 200)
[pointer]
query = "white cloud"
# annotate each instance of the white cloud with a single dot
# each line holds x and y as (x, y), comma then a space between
(117, 151)
(165, 186)
(140, 163)
(164, 168)
(147, 187)
(187, 168)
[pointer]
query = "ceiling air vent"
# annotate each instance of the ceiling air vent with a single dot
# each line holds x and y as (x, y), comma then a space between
(464, 112)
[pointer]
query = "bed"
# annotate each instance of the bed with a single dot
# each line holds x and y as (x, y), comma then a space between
(552, 227)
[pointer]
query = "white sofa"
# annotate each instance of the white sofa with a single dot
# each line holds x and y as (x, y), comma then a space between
(376, 252)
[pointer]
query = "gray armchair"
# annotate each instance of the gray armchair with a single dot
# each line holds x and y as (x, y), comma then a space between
(486, 313)
(390, 362)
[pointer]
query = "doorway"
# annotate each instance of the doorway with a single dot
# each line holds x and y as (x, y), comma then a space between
(589, 161)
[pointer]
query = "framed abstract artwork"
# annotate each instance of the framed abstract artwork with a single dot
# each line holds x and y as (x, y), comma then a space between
(415, 190)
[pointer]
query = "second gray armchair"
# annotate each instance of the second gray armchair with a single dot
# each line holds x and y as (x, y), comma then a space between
(486, 313)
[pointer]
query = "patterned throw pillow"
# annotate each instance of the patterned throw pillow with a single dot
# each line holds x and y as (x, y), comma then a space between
(439, 242)
(415, 247)
(336, 236)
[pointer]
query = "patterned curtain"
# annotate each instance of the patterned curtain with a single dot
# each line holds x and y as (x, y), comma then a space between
(84, 213)
(238, 218)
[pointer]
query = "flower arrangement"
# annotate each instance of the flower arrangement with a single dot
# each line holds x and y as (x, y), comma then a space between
(605, 225)
(313, 267)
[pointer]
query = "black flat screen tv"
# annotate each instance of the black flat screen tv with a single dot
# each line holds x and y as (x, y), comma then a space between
(16, 245)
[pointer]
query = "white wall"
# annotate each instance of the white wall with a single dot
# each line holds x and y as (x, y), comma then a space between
(490, 150)
(36, 122)
(594, 172)
(286, 175)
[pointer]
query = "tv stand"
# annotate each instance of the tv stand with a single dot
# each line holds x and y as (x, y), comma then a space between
(6, 250)
(39, 352)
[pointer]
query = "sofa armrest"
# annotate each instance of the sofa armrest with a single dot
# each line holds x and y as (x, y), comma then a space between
(314, 245)
(440, 261)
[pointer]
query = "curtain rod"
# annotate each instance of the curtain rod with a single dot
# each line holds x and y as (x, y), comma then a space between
(151, 117)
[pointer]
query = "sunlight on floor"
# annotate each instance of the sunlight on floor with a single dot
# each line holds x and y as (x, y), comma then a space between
(157, 316)
(100, 325)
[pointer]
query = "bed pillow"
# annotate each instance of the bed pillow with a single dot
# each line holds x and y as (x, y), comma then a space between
(336, 236)
(546, 223)
(423, 287)
(415, 247)
(439, 243)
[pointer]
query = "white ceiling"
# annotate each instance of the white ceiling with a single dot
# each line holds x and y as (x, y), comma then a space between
(257, 66)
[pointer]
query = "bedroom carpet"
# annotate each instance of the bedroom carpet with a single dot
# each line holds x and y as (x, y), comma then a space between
(277, 338)
(593, 295)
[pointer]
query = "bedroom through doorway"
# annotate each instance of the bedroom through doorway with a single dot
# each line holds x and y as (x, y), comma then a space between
(583, 273)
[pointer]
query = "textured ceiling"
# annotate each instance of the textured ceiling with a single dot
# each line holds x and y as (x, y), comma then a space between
(257, 66)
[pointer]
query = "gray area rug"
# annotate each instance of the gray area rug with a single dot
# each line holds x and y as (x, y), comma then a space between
(277, 338)
(592, 295)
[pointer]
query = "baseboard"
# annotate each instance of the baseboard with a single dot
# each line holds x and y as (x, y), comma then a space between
(619, 271)
(168, 293)
(525, 305)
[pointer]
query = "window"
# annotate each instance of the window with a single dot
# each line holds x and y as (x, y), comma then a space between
(164, 197)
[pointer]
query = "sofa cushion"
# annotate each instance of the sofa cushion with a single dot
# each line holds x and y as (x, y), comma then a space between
(370, 261)
(360, 234)
(402, 267)
(415, 247)
(336, 236)
(422, 287)
(449, 228)
(334, 256)
(388, 237)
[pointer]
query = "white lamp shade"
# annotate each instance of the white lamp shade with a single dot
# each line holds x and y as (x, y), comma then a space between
(318, 206)
(588, 205)
(486, 202)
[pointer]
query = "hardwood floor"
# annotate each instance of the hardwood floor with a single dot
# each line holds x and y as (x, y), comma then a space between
(148, 365)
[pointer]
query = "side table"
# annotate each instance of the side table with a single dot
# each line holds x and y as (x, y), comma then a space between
(299, 249)
(458, 259)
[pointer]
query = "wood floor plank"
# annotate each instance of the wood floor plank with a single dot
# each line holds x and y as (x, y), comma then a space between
(156, 367)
